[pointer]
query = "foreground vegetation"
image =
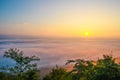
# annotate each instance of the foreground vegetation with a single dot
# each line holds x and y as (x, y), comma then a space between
(23, 70)
(102, 69)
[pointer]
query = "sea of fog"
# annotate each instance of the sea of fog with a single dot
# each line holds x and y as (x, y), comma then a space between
(53, 51)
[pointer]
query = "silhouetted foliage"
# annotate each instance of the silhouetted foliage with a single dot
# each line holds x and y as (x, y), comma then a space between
(57, 74)
(104, 69)
(7, 76)
(32, 74)
(82, 69)
(23, 69)
(107, 69)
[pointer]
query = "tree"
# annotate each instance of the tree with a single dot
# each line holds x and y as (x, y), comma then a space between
(57, 74)
(104, 69)
(23, 64)
(82, 70)
(107, 69)
(32, 74)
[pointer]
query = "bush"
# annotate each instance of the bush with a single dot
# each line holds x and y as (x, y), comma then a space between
(57, 74)
(105, 69)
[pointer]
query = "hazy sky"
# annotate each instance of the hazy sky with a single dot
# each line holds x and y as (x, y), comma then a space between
(61, 18)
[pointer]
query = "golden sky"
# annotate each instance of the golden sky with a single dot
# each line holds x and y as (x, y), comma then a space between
(61, 18)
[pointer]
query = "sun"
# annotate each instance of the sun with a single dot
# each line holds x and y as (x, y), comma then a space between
(86, 33)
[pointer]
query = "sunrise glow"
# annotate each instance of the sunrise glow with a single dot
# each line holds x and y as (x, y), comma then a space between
(61, 18)
(86, 33)
(39, 37)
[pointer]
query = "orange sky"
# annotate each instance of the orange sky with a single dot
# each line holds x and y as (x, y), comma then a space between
(62, 18)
